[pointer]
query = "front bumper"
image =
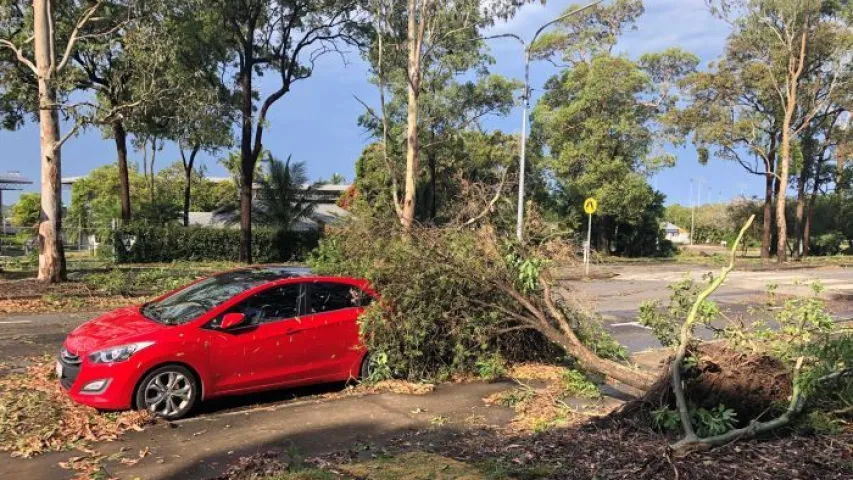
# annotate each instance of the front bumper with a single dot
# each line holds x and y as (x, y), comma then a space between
(118, 393)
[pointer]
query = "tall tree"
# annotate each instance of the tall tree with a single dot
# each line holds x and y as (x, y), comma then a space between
(41, 39)
(733, 114)
(782, 37)
(282, 36)
(427, 29)
(601, 122)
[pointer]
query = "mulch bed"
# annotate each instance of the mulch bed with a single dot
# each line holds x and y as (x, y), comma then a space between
(607, 453)
(625, 453)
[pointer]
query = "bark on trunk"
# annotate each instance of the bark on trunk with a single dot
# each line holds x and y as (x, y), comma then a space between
(781, 197)
(247, 158)
(120, 136)
(768, 216)
(413, 148)
(188, 180)
(51, 254)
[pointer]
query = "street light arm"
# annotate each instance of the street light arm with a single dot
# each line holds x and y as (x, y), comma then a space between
(504, 35)
(560, 18)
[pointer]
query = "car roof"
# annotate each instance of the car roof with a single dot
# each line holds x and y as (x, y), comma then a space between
(263, 274)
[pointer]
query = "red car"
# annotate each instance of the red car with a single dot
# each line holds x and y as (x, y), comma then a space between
(236, 332)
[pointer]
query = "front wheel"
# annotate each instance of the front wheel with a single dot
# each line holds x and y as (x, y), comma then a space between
(367, 364)
(168, 392)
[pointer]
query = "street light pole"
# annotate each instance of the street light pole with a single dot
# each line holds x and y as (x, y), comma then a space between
(519, 229)
(692, 212)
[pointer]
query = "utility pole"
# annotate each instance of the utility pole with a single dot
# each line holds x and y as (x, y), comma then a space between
(525, 99)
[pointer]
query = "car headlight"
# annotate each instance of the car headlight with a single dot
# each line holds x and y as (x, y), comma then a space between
(118, 354)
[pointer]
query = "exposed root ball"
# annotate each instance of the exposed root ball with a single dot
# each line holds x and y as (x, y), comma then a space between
(751, 385)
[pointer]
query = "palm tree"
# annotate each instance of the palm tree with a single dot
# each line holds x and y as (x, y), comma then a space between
(284, 195)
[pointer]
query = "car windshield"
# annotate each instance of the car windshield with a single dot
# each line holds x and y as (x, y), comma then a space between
(197, 299)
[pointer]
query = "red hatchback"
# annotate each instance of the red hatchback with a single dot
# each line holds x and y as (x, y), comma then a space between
(237, 332)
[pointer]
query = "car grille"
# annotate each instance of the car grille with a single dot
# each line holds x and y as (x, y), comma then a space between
(70, 367)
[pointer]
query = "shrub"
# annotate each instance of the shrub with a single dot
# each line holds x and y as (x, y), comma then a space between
(827, 244)
(174, 243)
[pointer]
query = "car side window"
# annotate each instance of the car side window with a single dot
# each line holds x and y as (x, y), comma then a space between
(278, 303)
(328, 297)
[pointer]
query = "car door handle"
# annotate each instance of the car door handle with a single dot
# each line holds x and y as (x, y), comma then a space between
(294, 331)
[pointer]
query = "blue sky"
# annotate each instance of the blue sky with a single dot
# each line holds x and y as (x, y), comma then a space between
(316, 122)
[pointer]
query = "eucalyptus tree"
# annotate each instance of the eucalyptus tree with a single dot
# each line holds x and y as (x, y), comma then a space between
(409, 40)
(284, 38)
(787, 39)
(38, 40)
(451, 110)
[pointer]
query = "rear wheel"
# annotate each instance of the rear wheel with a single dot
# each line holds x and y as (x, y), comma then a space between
(169, 392)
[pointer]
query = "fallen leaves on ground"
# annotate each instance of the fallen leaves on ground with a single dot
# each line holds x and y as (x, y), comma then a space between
(37, 416)
(541, 400)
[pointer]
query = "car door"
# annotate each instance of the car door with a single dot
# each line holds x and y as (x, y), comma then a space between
(268, 349)
(332, 313)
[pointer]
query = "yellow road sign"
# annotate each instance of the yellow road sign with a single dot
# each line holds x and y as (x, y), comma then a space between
(590, 205)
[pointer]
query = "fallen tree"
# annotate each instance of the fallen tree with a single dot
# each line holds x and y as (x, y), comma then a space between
(460, 296)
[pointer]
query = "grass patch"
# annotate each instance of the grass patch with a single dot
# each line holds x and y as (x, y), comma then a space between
(37, 416)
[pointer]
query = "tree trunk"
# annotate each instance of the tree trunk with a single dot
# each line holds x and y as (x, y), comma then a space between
(120, 136)
(433, 202)
(188, 180)
(51, 254)
(413, 148)
(781, 197)
(802, 179)
(247, 157)
(810, 215)
(768, 216)
(774, 233)
(796, 64)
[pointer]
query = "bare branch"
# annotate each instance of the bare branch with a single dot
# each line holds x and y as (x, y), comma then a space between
(19, 54)
(75, 33)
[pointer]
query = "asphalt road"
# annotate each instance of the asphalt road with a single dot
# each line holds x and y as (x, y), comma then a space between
(618, 298)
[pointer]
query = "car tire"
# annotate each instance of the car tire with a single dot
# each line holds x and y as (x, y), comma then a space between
(366, 367)
(169, 392)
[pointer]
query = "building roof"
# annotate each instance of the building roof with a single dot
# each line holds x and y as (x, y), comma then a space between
(13, 181)
(324, 214)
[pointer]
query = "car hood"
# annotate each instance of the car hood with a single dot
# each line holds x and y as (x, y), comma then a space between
(119, 327)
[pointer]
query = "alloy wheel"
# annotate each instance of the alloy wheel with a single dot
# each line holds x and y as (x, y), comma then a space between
(168, 394)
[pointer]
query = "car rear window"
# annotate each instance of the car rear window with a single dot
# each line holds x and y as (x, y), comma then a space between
(329, 296)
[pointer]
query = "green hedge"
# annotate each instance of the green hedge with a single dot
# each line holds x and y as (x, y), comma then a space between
(173, 243)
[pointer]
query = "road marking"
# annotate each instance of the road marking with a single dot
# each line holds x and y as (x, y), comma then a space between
(14, 322)
(630, 324)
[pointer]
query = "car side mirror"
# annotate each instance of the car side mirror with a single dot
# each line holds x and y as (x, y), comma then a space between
(231, 320)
